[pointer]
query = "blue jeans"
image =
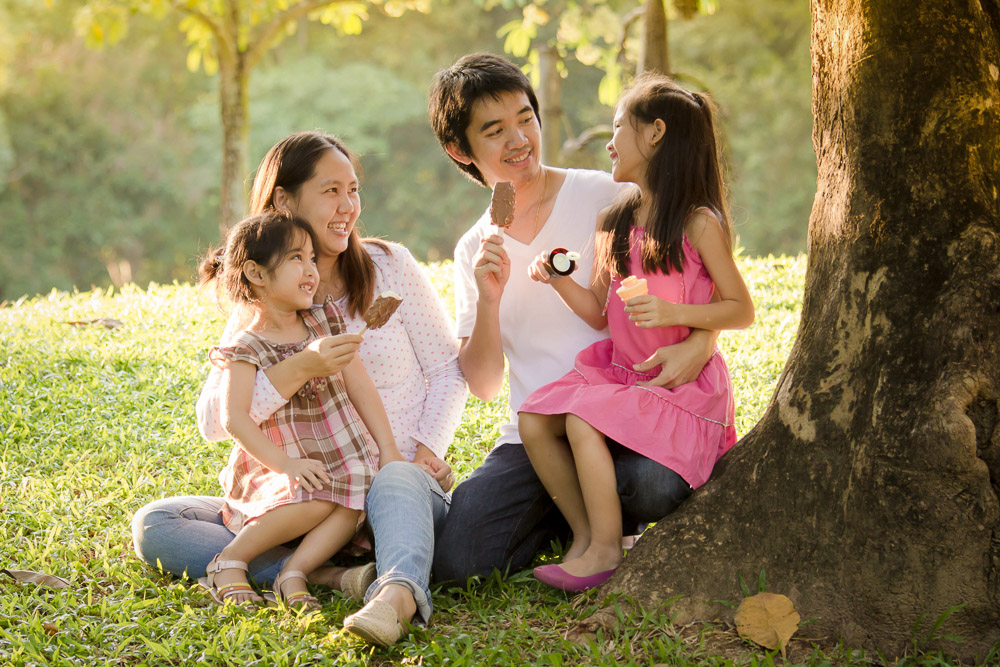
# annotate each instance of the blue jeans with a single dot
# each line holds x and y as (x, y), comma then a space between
(501, 516)
(182, 535)
(406, 509)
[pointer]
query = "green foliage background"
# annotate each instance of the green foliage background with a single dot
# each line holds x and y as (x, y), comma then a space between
(109, 160)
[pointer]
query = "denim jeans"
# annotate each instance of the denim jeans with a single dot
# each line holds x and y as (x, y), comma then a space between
(501, 516)
(406, 508)
(181, 535)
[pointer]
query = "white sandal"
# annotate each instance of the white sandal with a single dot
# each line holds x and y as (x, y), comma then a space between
(297, 600)
(221, 595)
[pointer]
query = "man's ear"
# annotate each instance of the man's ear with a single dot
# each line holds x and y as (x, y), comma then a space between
(254, 272)
(457, 154)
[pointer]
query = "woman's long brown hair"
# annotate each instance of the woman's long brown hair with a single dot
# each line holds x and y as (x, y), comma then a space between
(290, 163)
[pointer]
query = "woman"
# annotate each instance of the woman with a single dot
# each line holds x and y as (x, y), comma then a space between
(413, 361)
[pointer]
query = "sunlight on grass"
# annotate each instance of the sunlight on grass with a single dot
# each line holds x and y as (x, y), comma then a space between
(97, 422)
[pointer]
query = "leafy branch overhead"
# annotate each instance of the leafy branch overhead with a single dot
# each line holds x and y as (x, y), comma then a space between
(598, 33)
(229, 38)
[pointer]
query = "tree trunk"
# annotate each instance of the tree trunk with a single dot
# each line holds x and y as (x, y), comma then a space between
(653, 48)
(868, 492)
(234, 82)
(550, 103)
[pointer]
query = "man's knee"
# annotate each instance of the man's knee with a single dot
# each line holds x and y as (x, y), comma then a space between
(650, 502)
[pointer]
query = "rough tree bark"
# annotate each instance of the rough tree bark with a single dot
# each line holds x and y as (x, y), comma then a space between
(869, 489)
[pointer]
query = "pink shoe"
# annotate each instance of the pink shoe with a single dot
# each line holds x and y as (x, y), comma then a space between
(555, 576)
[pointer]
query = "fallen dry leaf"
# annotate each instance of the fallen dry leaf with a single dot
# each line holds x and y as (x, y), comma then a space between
(37, 578)
(50, 628)
(768, 619)
(106, 322)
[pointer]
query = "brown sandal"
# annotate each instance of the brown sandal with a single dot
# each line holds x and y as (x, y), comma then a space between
(223, 594)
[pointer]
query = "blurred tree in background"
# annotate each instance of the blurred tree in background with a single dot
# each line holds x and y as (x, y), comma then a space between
(109, 159)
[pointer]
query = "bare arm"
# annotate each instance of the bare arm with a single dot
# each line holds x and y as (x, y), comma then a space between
(365, 399)
(586, 302)
(237, 386)
(481, 354)
(734, 307)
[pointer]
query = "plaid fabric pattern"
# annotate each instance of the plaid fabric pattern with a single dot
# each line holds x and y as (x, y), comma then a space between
(318, 422)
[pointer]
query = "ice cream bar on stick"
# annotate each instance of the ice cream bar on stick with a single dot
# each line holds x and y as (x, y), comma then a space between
(382, 308)
(502, 204)
(631, 288)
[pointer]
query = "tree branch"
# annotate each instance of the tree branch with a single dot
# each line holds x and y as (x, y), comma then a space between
(627, 22)
(267, 32)
(227, 49)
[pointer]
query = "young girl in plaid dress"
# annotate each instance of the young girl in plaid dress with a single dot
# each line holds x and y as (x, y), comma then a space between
(305, 471)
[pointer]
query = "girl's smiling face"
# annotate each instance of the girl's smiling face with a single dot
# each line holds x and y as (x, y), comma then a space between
(294, 280)
(329, 201)
(629, 148)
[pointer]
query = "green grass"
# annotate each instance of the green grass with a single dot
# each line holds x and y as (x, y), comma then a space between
(94, 423)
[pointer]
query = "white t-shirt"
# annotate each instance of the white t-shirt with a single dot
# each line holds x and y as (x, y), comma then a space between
(539, 334)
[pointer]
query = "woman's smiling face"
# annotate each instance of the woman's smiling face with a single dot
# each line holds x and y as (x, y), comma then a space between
(330, 202)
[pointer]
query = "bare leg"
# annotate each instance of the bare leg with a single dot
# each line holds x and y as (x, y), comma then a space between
(544, 438)
(276, 527)
(330, 536)
(596, 471)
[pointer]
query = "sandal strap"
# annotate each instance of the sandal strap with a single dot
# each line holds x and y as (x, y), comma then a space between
(285, 576)
(229, 590)
(216, 566)
(300, 596)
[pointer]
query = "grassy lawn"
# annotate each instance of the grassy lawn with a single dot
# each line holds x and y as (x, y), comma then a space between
(97, 422)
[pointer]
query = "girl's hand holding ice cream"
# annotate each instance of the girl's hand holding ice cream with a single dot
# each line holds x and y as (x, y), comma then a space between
(648, 311)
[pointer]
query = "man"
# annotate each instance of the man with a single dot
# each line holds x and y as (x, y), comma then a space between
(485, 115)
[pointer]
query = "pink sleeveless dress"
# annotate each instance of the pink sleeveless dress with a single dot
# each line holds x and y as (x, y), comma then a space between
(686, 429)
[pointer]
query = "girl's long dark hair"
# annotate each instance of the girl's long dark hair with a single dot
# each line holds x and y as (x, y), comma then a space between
(684, 173)
(290, 163)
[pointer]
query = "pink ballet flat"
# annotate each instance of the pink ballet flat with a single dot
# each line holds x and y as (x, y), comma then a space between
(555, 576)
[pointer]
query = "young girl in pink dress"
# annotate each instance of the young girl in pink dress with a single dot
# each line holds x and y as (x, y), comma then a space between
(303, 472)
(673, 231)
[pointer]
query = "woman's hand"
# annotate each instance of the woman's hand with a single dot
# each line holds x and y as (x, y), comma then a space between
(437, 468)
(537, 270)
(311, 474)
(649, 311)
(330, 354)
(491, 267)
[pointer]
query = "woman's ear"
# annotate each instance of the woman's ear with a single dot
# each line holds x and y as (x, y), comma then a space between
(282, 200)
(254, 272)
(457, 154)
